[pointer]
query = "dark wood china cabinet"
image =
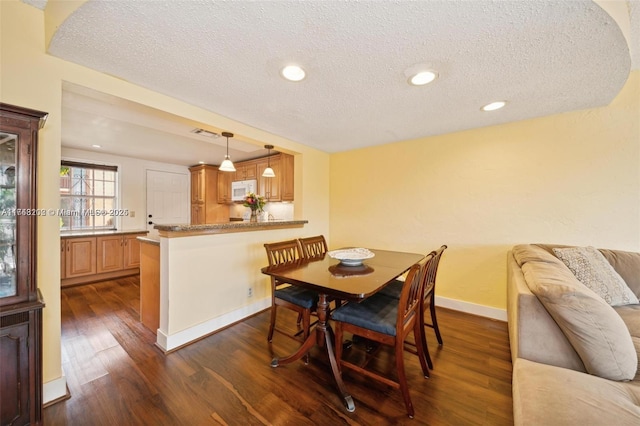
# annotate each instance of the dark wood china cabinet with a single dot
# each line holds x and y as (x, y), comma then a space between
(20, 301)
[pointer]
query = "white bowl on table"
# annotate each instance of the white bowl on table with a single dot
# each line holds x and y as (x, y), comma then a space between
(351, 256)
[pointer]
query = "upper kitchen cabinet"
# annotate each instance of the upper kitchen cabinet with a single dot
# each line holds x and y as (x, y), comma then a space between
(280, 187)
(245, 171)
(287, 186)
(224, 187)
(204, 196)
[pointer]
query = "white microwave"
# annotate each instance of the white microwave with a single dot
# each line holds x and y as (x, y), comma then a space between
(239, 189)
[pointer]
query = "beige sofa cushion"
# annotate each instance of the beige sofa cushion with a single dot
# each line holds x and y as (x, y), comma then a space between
(630, 314)
(549, 395)
(533, 333)
(595, 330)
(627, 264)
(593, 270)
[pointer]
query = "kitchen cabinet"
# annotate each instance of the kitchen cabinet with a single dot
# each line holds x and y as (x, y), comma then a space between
(80, 257)
(269, 188)
(150, 284)
(280, 187)
(198, 184)
(204, 196)
(245, 170)
(103, 257)
(20, 300)
(131, 252)
(224, 187)
(118, 252)
(287, 181)
(110, 253)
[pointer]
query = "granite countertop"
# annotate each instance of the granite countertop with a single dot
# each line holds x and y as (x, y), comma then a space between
(227, 227)
(102, 232)
(149, 240)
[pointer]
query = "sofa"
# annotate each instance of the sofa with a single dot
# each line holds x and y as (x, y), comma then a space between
(574, 351)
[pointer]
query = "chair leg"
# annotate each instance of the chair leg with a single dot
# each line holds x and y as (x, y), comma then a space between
(402, 378)
(299, 319)
(434, 321)
(272, 325)
(425, 360)
(422, 340)
(337, 344)
(306, 325)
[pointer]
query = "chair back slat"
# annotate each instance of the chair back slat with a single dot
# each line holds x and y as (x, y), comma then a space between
(313, 247)
(412, 294)
(283, 252)
(432, 271)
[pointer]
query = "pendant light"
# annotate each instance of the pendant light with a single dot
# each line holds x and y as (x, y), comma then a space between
(268, 172)
(227, 165)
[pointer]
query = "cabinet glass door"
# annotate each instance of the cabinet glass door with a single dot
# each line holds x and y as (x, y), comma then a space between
(8, 285)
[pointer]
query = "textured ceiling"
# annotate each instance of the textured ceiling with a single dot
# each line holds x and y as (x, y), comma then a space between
(543, 57)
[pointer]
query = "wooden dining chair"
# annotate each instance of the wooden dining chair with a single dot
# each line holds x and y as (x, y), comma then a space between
(289, 296)
(388, 321)
(394, 288)
(430, 292)
(313, 247)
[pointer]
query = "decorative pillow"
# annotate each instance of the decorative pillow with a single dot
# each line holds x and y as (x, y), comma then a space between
(593, 270)
(594, 329)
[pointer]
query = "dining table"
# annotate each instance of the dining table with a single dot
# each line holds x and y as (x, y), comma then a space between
(332, 279)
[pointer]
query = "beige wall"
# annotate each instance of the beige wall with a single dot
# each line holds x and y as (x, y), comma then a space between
(31, 78)
(571, 178)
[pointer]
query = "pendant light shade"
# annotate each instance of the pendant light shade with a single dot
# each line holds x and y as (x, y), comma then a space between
(268, 172)
(227, 165)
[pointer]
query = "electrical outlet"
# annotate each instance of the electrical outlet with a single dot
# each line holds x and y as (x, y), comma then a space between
(250, 292)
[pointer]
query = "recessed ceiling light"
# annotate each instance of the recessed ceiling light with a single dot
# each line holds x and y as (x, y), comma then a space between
(494, 106)
(422, 78)
(96, 146)
(200, 162)
(293, 73)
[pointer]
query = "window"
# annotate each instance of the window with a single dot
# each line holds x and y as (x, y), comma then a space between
(87, 196)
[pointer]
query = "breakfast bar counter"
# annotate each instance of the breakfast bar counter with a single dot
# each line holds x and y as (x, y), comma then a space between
(183, 230)
(209, 276)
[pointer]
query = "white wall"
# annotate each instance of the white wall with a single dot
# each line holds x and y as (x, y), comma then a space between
(132, 174)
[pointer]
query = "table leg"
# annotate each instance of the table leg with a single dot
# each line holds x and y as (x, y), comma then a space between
(323, 337)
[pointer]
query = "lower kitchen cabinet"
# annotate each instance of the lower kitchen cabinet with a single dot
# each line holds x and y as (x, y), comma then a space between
(150, 285)
(132, 251)
(110, 253)
(80, 257)
(90, 259)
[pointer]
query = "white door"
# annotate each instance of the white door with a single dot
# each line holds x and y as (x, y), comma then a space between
(167, 199)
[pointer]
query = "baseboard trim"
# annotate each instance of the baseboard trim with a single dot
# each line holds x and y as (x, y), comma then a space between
(472, 308)
(54, 391)
(169, 343)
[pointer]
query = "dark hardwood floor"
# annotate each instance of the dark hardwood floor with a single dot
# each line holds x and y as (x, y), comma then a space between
(117, 376)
